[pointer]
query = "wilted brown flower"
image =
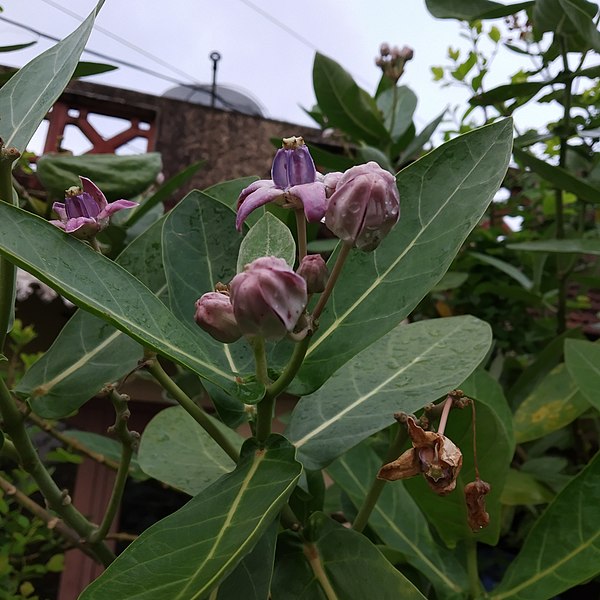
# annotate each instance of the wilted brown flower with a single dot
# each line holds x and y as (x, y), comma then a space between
(433, 455)
(475, 493)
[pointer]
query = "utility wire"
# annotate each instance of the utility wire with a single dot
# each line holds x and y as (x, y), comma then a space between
(124, 42)
(125, 63)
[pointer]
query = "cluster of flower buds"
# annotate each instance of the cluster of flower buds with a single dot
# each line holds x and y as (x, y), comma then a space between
(266, 299)
(85, 211)
(392, 60)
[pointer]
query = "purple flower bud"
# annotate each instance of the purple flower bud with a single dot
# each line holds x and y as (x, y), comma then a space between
(293, 164)
(268, 298)
(407, 53)
(313, 270)
(364, 207)
(384, 49)
(214, 313)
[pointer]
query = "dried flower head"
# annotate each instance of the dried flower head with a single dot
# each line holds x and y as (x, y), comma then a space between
(475, 493)
(433, 455)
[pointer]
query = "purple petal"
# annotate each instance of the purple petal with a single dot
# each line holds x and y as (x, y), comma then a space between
(261, 183)
(60, 209)
(256, 199)
(58, 224)
(94, 191)
(82, 227)
(312, 196)
(113, 207)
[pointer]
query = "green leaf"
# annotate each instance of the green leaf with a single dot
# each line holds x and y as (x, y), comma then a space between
(269, 237)
(163, 192)
(471, 10)
(583, 363)
(554, 403)
(463, 69)
(398, 105)
(523, 489)
(30, 93)
(495, 449)
(494, 34)
(177, 451)
(559, 177)
(206, 538)
(108, 447)
(86, 69)
(89, 353)
(506, 268)
(14, 47)
(344, 103)
(438, 73)
(103, 288)
(398, 521)
(417, 143)
(411, 366)
(253, 574)
(228, 192)
(581, 14)
(117, 176)
(341, 559)
(443, 196)
(544, 568)
(562, 246)
(450, 281)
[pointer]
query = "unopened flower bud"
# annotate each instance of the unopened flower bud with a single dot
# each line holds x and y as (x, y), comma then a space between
(364, 207)
(384, 49)
(406, 53)
(313, 269)
(214, 313)
(293, 164)
(330, 181)
(268, 298)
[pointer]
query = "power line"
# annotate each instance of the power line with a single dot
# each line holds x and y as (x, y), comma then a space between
(123, 41)
(127, 64)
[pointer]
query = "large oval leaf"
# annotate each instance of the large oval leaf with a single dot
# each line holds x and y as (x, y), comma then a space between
(343, 560)
(411, 366)
(583, 363)
(562, 548)
(443, 196)
(398, 521)
(177, 451)
(104, 288)
(89, 353)
(183, 556)
(31, 92)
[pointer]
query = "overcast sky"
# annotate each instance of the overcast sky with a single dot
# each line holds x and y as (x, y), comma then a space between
(267, 46)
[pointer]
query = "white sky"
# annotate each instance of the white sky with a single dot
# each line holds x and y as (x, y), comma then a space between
(258, 56)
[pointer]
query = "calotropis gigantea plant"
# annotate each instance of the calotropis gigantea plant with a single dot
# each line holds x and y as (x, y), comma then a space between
(275, 319)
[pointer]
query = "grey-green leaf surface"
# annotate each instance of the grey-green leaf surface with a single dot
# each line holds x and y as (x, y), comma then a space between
(30, 93)
(495, 449)
(471, 10)
(269, 237)
(583, 363)
(411, 366)
(175, 450)
(117, 176)
(398, 521)
(346, 561)
(200, 249)
(443, 196)
(345, 104)
(553, 404)
(562, 246)
(561, 550)
(505, 267)
(398, 105)
(103, 288)
(185, 555)
(89, 352)
(559, 177)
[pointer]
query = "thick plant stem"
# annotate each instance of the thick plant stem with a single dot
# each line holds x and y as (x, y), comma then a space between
(58, 500)
(264, 409)
(475, 589)
(362, 518)
(301, 230)
(192, 408)
(280, 384)
(333, 277)
(129, 440)
(314, 560)
(7, 269)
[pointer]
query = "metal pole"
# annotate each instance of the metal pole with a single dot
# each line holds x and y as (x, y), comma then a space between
(215, 57)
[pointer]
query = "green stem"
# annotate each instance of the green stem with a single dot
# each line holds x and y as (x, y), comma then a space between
(362, 518)
(192, 408)
(265, 408)
(301, 229)
(7, 269)
(280, 384)
(475, 588)
(314, 560)
(333, 277)
(129, 440)
(59, 501)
